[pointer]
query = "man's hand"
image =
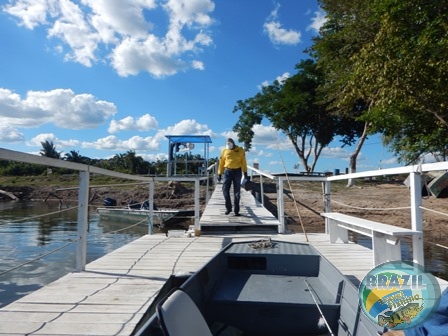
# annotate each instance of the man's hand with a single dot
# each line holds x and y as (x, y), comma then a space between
(219, 178)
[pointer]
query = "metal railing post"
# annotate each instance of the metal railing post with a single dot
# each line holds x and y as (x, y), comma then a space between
(280, 205)
(83, 211)
(197, 223)
(151, 208)
(261, 190)
(327, 201)
(416, 217)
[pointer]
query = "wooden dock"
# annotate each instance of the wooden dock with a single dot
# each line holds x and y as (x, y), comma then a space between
(114, 291)
(253, 216)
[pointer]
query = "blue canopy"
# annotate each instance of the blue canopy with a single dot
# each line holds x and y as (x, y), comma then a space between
(189, 138)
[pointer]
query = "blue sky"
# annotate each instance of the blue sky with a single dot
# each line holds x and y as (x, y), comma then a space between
(100, 78)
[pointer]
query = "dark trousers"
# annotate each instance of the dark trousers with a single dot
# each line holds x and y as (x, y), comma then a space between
(232, 176)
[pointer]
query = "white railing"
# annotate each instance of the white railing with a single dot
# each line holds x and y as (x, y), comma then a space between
(84, 186)
(415, 172)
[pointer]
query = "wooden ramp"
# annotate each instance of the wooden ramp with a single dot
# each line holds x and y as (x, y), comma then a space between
(254, 218)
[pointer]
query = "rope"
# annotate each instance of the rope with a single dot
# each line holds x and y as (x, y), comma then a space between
(127, 227)
(39, 257)
(38, 216)
(318, 307)
(438, 245)
(378, 209)
(435, 211)
(292, 191)
(262, 244)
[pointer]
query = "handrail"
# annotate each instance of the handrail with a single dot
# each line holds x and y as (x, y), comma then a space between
(414, 172)
(84, 186)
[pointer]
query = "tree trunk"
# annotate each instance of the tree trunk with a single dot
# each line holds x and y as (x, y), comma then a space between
(354, 155)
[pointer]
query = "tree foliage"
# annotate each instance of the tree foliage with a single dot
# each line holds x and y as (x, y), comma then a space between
(392, 55)
(49, 150)
(74, 156)
(294, 107)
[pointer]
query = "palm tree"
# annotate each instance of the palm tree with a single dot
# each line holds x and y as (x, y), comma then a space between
(74, 156)
(49, 150)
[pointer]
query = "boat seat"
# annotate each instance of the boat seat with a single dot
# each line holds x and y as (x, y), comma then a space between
(179, 316)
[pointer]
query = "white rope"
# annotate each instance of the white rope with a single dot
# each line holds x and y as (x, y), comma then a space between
(292, 191)
(378, 209)
(318, 307)
(39, 257)
(127, 227)
(438, 245)
(38, 216)
(435, 211)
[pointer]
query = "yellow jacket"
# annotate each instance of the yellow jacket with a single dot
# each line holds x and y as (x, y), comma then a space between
(232, 159)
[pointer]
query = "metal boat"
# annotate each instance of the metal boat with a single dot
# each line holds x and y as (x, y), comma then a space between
(260, 288)
(160, 217)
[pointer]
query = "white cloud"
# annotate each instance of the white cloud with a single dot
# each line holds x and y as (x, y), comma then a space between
(37, 140)
(317, 21)
(187, 126)
(61, 107)
(277, 34)
(335, 153)
(198, 65)
(144, 123)
(10, 134)
(393, 161)
(89, 31)
(113, 143)
(281, 79)
(267, 136)
(150, 143)
(59, 144)
(31, 12)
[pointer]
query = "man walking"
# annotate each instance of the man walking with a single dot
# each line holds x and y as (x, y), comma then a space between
(232, 164)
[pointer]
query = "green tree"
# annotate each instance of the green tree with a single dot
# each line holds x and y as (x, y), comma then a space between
(49, 150)
(129, 162)
(293, 107)
(74, 156)
(390, 54)
(348, 27)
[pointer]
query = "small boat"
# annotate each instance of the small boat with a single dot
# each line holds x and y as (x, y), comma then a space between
(161, 217)
(263, 287)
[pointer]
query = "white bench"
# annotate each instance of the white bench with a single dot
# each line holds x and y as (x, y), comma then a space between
(385, 237)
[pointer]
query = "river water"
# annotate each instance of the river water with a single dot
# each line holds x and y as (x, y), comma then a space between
(22, 241)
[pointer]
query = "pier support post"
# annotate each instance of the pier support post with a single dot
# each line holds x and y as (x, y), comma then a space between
(83, 210)
(416, 217)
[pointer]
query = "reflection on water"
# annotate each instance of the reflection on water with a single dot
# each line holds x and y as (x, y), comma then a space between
(436, 258)
(25, 240)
